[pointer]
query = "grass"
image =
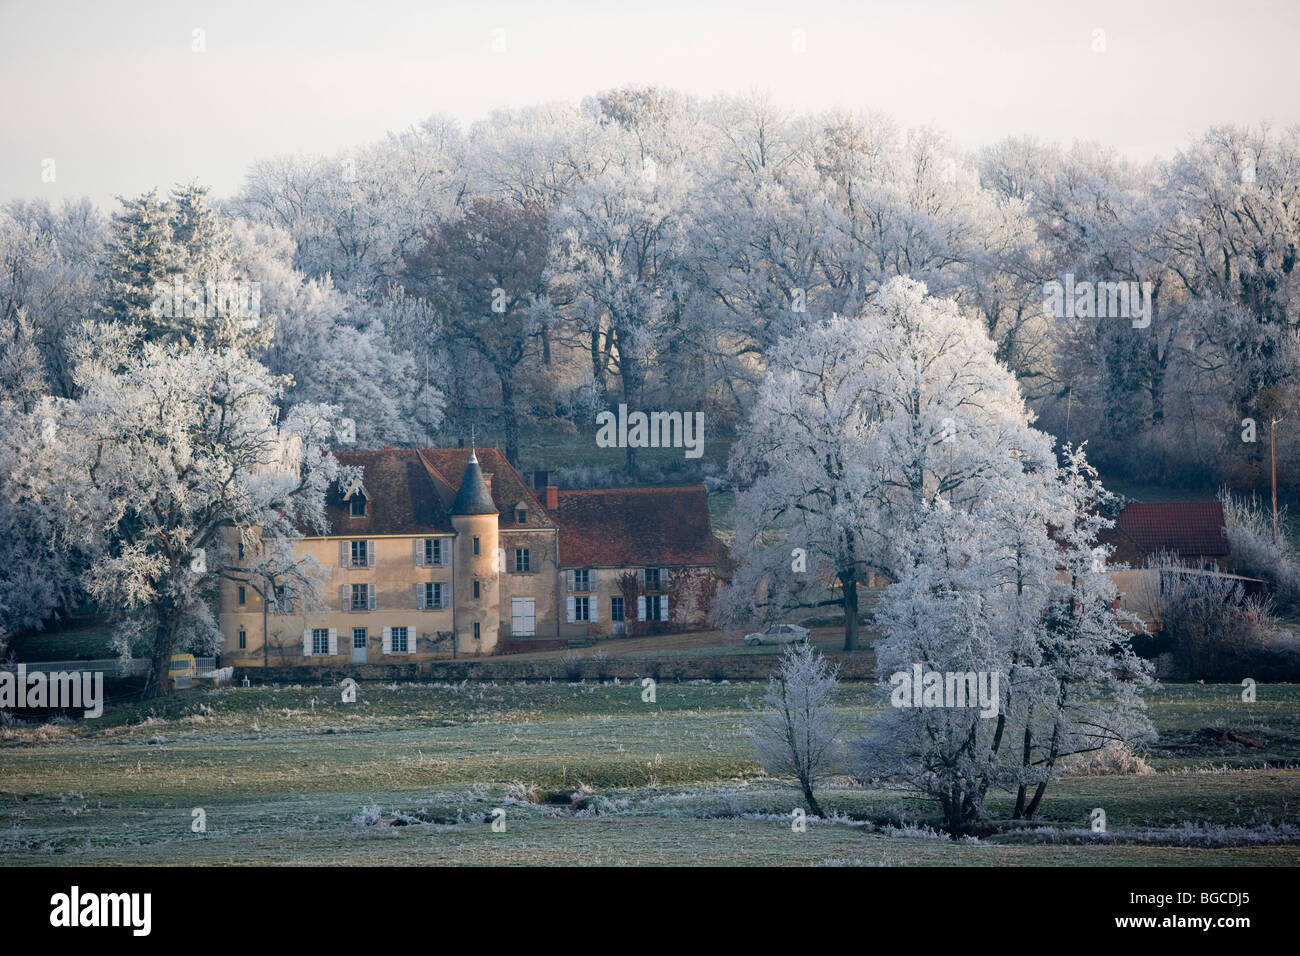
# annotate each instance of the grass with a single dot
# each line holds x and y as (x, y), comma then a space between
(281, 773)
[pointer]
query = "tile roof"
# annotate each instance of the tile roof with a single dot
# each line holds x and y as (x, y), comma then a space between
(1184, 528)
(412, 492)
(508, 486)
(402, 496)
(636, 527)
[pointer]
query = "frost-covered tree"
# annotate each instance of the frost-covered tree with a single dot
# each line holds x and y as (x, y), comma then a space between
(160, 457)
(796, 731)
(1016, 596)
(861, 428)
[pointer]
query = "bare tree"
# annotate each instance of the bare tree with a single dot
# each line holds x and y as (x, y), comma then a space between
(796, 731)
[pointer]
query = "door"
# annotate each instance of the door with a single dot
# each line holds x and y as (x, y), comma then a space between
(523, 621)
(359, 642)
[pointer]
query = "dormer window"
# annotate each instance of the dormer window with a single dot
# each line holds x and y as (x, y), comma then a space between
(357, 506)
(521, 516)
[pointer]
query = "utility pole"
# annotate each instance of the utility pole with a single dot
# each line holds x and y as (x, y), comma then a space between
(1272, 453)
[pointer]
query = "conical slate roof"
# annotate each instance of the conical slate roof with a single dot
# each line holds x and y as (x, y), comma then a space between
(473, 497)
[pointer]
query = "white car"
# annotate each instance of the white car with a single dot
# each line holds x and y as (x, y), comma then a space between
(779, 634)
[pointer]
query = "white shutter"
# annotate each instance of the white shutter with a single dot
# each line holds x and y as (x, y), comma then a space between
(640, 608)
(388, 640)
(569, 608)
(443, 556)
(334, 641)
(571, 577)
(345, 600)
(306, 643)
(640, 579)
(345, 554)
(370, 553)
(419, 552)
(593, 614)
(412, 638)
(663, 607)
(370, 597)
(419, 596)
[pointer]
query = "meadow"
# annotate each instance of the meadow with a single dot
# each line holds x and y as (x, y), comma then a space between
(590, 773)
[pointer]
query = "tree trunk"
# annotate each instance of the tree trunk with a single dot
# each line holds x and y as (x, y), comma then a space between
(813, 806)
(511, 413)
(849, 579)
(158, 684)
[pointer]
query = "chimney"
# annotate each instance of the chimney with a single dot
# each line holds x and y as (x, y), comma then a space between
(552, 497)
(487, 477)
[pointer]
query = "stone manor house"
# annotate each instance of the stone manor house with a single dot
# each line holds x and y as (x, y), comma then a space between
(452, 552)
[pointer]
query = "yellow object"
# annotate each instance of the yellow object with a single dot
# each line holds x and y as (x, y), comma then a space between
(183, 665)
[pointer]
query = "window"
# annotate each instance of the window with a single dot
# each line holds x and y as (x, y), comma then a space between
(433, 595)
(359, 557)
(616, 608)
(320, 640)
(243, 639)
(521, 516)
(476, 631)
(243, 594)
(582, 580)
(655, 605)
(582, 609)
(280, 597)
(360, 597)
(241, 551)
(652, 579)
(357, 507)
(476, 545)
(523, 617)
(399, 640)
(358, 638)
(433, 551)
(476, 589)
(522, 561)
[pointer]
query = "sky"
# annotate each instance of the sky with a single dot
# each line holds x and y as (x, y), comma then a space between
(109, 99)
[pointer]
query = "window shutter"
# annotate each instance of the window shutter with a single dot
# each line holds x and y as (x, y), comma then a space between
(443, 556)
(663, 608)
(306, 643)
(572, 579)
(370, 553)
(412, 638)
(334, 641)
(370, 597)
(442, 596)
(640, 608)
(640, 579)
(388, 640)
(419, 596)
(345, 599)
(345, 553)
(419, 552)
(569, 608)
(594, 612)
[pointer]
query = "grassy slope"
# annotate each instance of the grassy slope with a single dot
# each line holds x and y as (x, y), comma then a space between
(277, 786)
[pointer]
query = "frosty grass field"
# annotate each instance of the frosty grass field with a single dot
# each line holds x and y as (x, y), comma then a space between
(586, 773)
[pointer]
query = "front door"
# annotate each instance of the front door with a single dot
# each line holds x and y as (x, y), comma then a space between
(358, 645)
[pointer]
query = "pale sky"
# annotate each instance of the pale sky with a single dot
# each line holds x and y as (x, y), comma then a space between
(116, 96)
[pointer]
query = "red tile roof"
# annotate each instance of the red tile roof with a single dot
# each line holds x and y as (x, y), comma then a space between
(410, 491)
(636, 527)
(1184, 528)
(402, 497)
